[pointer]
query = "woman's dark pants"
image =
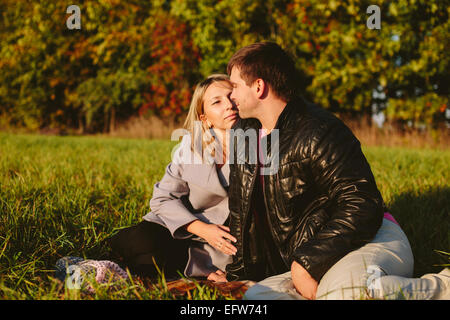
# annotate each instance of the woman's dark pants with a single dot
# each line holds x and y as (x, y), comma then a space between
(137, 248)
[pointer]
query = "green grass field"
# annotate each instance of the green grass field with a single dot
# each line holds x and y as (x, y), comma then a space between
(62, 196)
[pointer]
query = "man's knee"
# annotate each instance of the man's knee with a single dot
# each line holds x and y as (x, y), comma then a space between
(262, 292)
(257, 292)
(343, 292)
(279, 287)
(345, 286)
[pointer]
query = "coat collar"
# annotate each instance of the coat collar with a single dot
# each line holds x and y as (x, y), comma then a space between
(205, 176)
(198, 171)
(294, 106)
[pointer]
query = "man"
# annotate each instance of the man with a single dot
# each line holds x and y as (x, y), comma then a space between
(321, 203)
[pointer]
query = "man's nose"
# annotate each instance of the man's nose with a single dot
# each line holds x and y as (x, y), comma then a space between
(232, 96)
(231, 104)
(233, 99)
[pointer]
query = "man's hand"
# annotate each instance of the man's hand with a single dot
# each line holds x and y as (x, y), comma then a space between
(303, 282)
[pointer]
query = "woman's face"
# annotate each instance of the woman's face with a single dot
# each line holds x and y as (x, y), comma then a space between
(219, 111)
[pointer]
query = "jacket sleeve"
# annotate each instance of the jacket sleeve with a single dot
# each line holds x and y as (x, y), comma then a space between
(341, 172)
(167, 201)
(235, 270)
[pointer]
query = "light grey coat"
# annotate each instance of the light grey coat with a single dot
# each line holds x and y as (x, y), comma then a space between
(186, 178)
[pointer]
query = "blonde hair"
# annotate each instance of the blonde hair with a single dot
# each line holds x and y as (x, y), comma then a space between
(197, 108)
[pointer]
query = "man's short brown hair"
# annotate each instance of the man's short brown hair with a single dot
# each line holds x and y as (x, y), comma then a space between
(267, 61)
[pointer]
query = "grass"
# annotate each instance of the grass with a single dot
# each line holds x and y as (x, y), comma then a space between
(63, 196)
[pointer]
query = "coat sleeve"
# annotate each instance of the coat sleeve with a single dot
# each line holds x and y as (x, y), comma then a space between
(167, 201)
(341, 172)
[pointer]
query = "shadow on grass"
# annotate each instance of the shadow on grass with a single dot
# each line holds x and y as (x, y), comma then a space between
(424, 218)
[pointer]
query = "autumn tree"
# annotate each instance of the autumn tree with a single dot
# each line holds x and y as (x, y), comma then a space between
(144, 57)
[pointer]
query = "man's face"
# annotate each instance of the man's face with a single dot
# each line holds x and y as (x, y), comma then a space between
(243, 95)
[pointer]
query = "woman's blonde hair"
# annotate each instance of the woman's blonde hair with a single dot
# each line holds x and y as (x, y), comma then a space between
(197, 108)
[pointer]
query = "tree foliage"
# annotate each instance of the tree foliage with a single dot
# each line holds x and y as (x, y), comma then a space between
(125, 57)
(343, 61)
(139, 57)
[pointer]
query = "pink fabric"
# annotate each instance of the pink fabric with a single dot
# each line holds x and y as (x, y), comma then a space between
(104, 269)
(262, 133)
(389, 217)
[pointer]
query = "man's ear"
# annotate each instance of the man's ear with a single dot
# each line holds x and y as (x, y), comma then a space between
(260, 87)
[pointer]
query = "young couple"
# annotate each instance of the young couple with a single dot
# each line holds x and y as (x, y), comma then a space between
(315, 228)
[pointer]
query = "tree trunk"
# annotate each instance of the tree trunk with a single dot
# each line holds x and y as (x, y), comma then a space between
(367, 112)
(112, 120)
(80, 123)
(105, 121)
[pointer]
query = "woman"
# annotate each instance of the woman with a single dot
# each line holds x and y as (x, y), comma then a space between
(185, 229)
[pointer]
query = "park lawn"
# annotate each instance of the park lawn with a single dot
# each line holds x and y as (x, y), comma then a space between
(63, 196)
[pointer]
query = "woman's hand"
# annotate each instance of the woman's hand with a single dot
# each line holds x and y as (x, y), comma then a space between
(216, 235)
(218, 276)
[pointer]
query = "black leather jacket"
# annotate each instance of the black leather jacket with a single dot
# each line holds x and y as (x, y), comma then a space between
(321, 203)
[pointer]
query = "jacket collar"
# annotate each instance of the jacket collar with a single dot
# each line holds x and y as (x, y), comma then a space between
(294, 106)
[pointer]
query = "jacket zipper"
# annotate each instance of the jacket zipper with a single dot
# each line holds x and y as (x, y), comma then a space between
(282, 206)
(269, 222)
(245, 220)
